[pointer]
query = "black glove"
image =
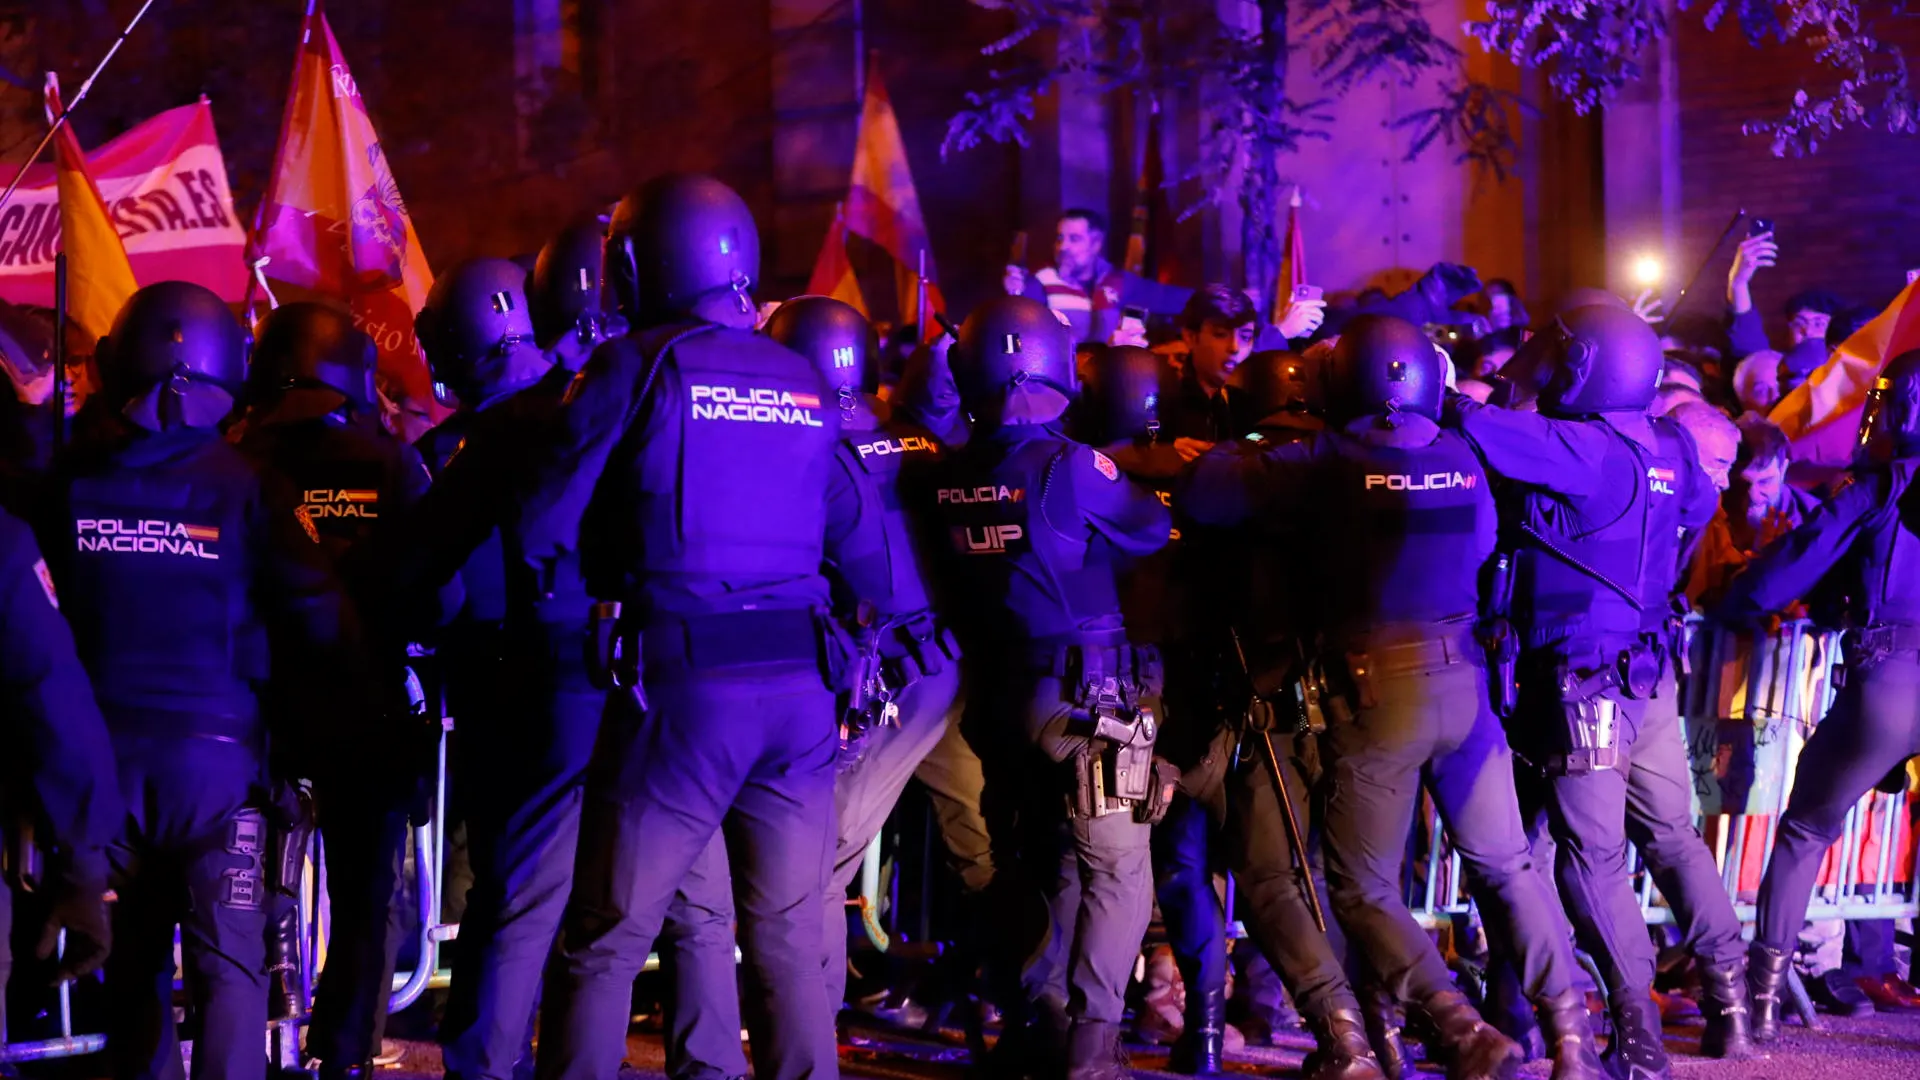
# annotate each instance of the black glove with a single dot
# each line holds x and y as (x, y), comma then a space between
(80, 908)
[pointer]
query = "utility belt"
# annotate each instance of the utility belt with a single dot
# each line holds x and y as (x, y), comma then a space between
(620, 651)
(1114, 769)
(1334, 686)
(1862, 649)
(1588, 689)
(891, 656)
(1093, 657)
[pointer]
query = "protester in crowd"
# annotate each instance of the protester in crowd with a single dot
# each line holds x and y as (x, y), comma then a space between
(1756, 382)
(1757, 506)
(1084, 287)
(1808, 312)
(1504, 308)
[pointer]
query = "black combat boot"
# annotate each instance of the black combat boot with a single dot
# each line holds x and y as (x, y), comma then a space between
(1723, 1001)
(1094, 1052)
(1383, 1033)
(1197, 1052)
(1341, 1051)
(1470, 1046)
(1637, 1050)
(1766, 982)
(1569, 1035)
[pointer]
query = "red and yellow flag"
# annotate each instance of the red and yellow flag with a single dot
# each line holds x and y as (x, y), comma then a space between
(881, 202)
(833, 271)
(333, 220)
(1822, 415)
(99, 277)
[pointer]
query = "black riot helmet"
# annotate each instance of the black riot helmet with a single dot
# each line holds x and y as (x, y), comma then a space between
(836, 337)
(1588, 296)
(1890, 420)
(1594, 359)
(564, 289)
(474, 329)
(1007, 342)
(313, 352)
(676, 240)
(1121, 401)
(1281, 381)
(176, 357)
(1383, 364)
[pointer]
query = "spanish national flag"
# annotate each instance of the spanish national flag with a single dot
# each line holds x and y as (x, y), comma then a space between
(99, 277)
(833, 271)
(1822, 416)
(881, 202)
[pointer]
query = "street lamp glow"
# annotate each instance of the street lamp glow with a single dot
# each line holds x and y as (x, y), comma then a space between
(1648, 271)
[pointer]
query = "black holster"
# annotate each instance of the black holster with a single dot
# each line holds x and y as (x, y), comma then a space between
(1114, 769)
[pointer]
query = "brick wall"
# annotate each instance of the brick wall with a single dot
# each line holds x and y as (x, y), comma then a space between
(1848, 218)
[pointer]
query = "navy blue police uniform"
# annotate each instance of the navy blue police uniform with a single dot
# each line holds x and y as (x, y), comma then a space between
(188, 578)
(1406, 523)
(1863, 544)
(59, 773)
(528, 715)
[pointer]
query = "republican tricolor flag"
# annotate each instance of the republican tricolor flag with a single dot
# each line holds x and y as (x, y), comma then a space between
(332, 219)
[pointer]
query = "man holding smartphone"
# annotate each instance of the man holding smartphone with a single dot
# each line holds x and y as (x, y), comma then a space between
(1809, 312)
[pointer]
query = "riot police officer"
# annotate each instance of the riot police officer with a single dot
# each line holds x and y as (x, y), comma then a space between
(59, 775)
(527, 708)
(314, 420)
(878, 518)
(1159, 598)
(689, 470)
(1863, 536)
(564, 294)
(1065, 704)
(1405, 523)
(180, 561)
(1599, 495)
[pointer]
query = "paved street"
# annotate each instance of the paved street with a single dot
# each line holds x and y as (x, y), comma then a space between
(1875, 1048)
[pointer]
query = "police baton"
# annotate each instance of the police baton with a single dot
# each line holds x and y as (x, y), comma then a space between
(1263, 728)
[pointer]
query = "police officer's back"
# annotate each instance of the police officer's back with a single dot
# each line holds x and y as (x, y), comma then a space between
(313, 420)
(689, 471)
(1403, 523)
(1589, 510)
(1037, 524)
(181, 561)
(880, 527)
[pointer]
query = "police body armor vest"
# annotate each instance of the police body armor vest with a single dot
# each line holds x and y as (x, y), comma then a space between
(902, 459)
(1032, 577)
(1405, 536)
(1666, 470)
(345, 477)
(726, 492)
(159, 560)
(1610, 534)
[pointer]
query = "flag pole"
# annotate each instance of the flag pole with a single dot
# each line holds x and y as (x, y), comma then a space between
(60, 121)
(59, 351)
(279, 153)
(920, 298)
